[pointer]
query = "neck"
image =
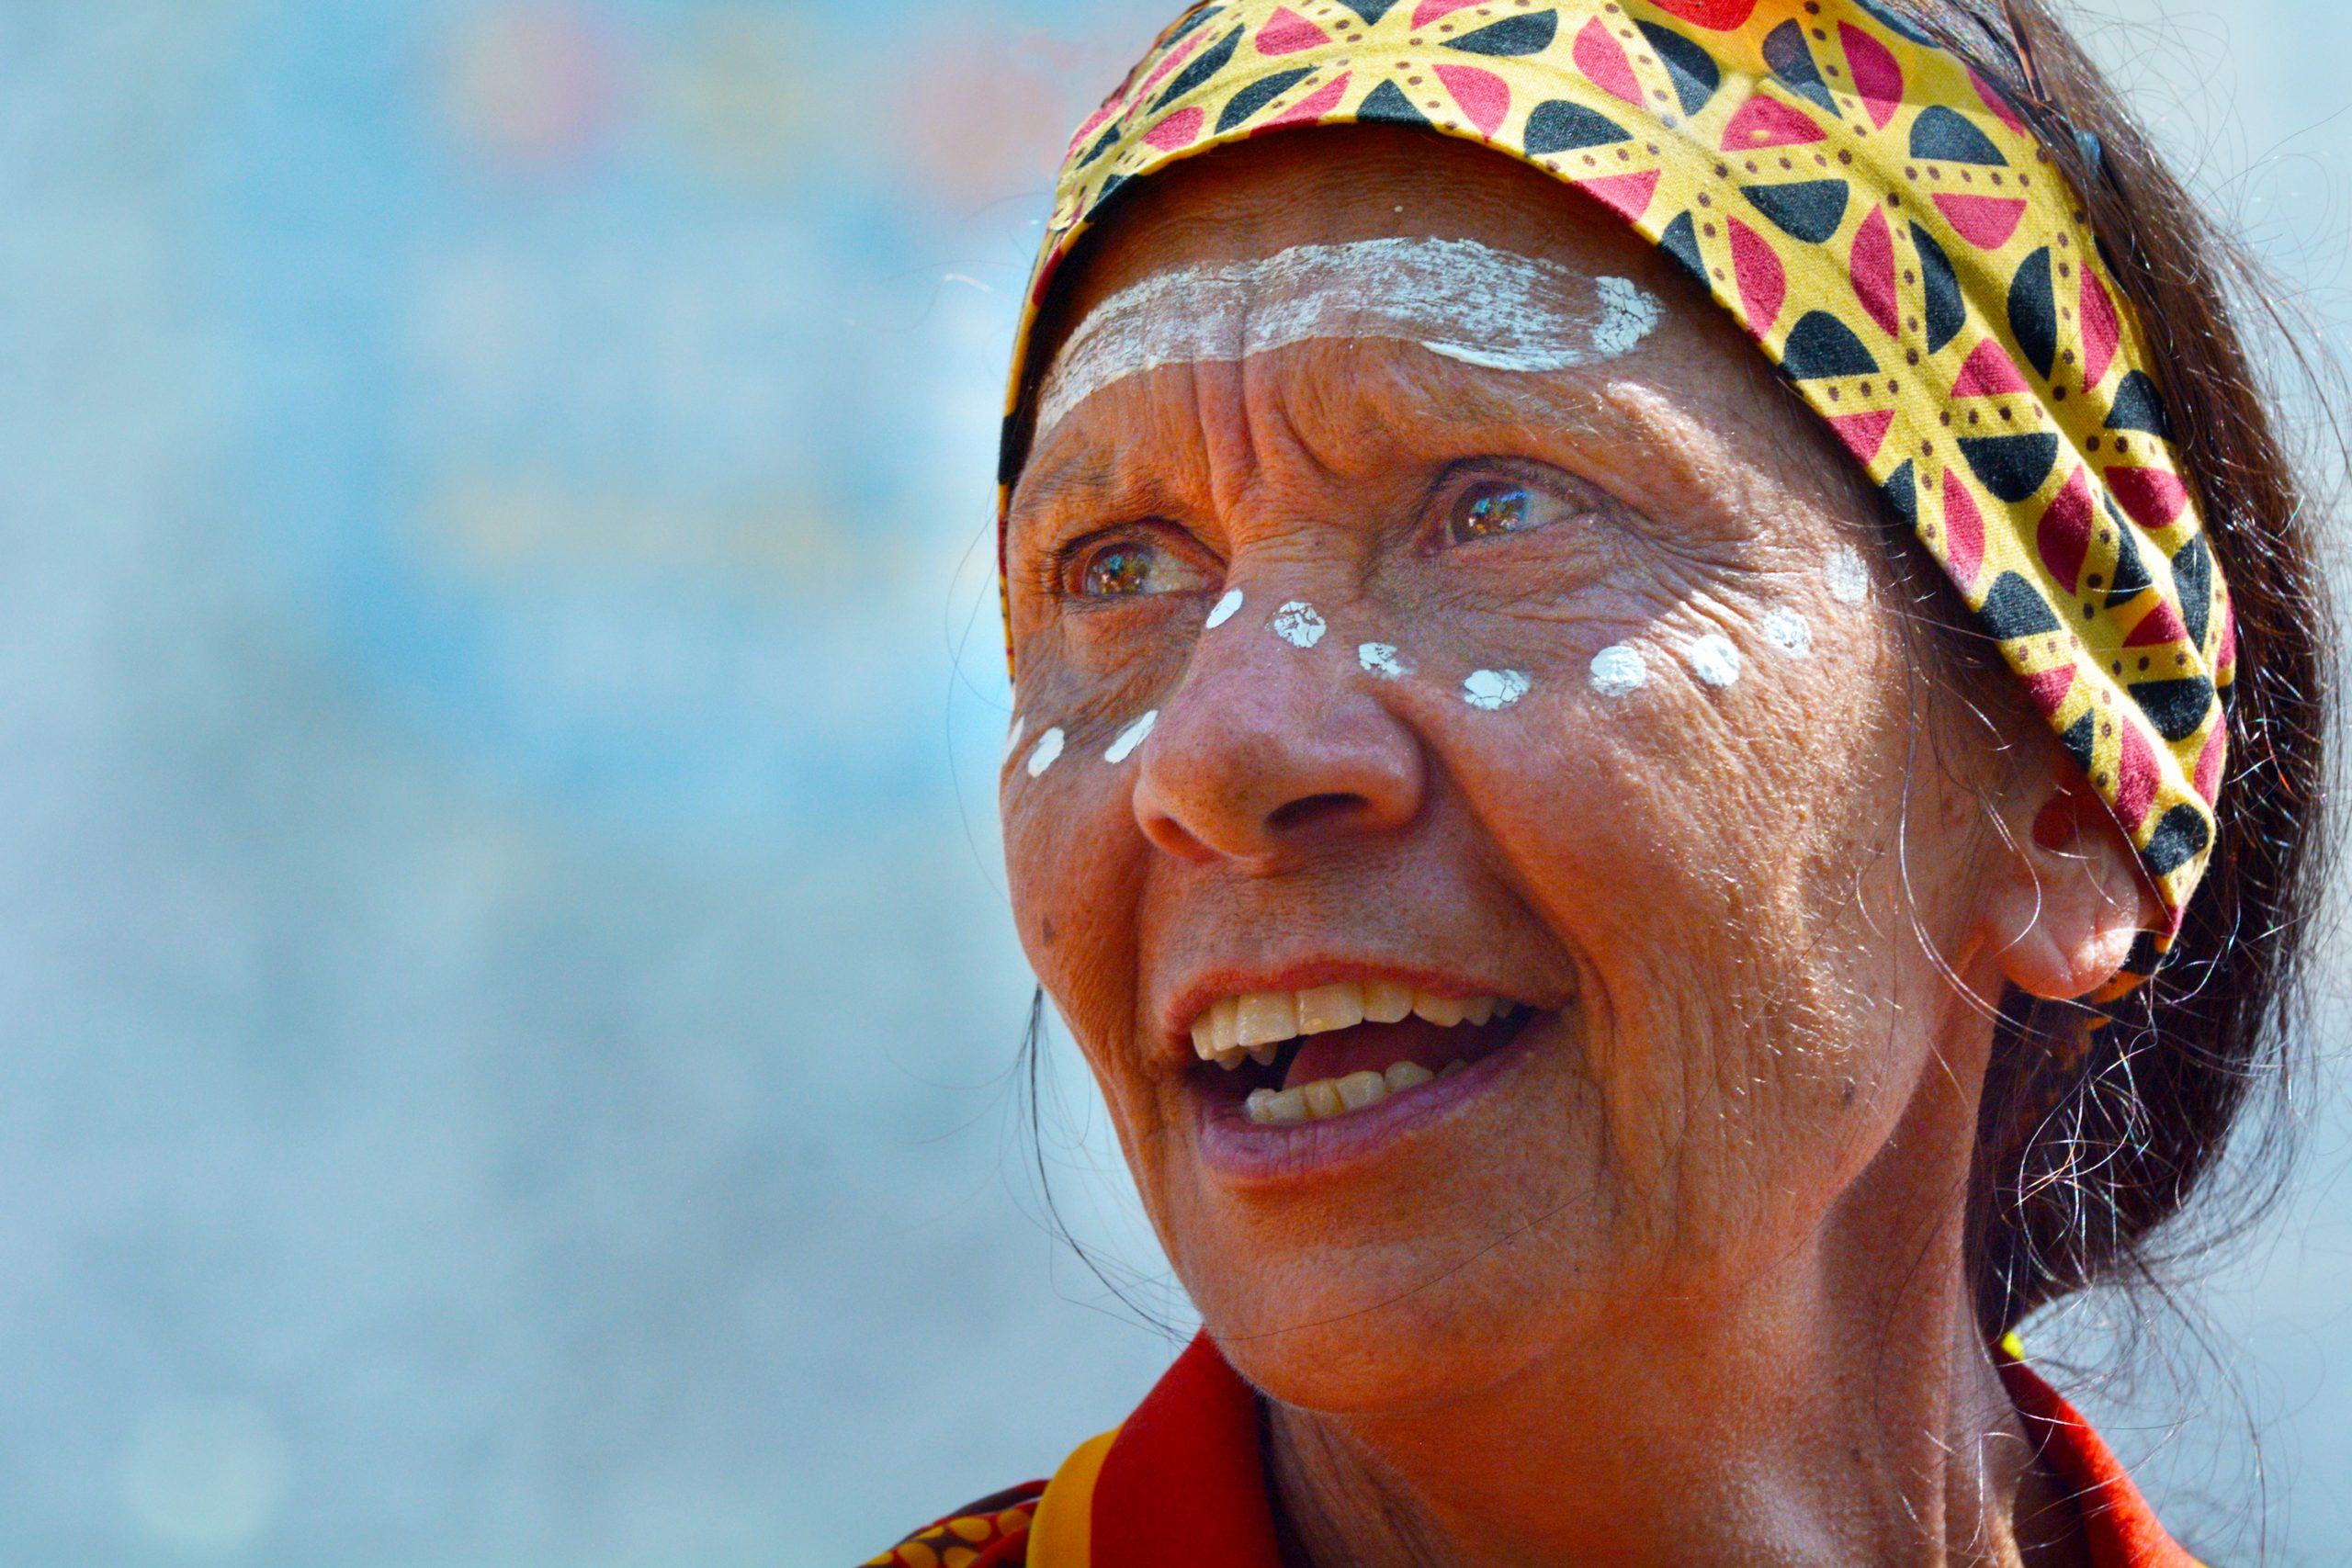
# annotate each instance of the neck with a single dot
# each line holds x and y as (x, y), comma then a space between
(1844, 1410)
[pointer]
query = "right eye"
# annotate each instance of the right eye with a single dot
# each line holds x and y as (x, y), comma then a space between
(1129, 567)
(1490, 508)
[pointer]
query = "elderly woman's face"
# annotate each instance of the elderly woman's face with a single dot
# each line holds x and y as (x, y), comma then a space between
(1581, 691)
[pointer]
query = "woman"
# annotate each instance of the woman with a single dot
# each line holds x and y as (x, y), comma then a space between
(1636, 911)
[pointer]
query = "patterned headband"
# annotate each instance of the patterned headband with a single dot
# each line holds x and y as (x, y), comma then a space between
(1884, 226)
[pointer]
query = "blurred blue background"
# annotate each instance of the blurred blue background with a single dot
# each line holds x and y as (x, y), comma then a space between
(510, 1009)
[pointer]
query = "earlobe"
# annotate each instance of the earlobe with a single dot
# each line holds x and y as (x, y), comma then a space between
(2069, 900)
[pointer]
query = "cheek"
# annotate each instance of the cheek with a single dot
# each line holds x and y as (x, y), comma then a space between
(1702, 805)
(1072, 868)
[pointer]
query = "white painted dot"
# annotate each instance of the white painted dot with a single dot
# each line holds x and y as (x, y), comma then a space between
(1492, 689)
(1715, 660)
(1850, 578)
(1298, 624)
(1381, 659)
(1013, 739)
(1226, 608)
(1132, 737)
(1048, 751)
(1789, 632)
(1617, 671)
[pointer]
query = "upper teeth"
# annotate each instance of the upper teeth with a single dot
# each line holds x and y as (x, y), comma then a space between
(1255, 1024)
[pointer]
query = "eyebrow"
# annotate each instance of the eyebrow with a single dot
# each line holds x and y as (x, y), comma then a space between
(1563, 405)
(1084, 471)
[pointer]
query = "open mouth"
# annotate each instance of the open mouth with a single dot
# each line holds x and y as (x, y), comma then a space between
(1298, 1057)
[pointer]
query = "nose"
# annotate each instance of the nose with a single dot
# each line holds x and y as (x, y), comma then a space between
(1270, 753)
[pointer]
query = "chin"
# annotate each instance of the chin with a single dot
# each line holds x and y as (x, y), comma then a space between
(1384, 1357)
(1386, 1323)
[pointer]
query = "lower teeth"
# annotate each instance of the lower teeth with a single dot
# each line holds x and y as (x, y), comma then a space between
(1327, 1098)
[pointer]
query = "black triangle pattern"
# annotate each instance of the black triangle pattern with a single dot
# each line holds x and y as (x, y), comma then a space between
(2132, 578)
(1680, 240)
(2081, 738)
(2013, 610)
(1258, 94)
(1941, 135)
(2180, 838)
(2138, 406)
(2176, 707)
(1947, 311)
(2192, 579)
(1810, 210)
(1821, 346)
(1559, 126)
(1902, 494)
(1792, 62)
(2011, 467)
(1201, 67)
(1692, 69)
(1387, 104)
(2033, 313)
(1531, 34)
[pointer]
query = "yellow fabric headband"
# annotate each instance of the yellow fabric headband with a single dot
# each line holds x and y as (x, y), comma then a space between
(1884, 224)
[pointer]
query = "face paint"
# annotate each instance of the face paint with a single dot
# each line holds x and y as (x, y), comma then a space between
(1455, 297)
(1012, 742)
(1849, 580)
(1715, 660)
(1490, 690)
(1630, 314)
(1050, 750)
(1130, 737)
(1226, 608)
(1618, 671)
(1381, 659)
(1789, 632)
(1298, 624)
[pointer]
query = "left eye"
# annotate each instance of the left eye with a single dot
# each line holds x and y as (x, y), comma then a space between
(1124, 568)
(1498, 506)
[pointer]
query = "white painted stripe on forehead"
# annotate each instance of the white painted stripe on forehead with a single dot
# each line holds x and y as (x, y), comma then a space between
(1456, 298)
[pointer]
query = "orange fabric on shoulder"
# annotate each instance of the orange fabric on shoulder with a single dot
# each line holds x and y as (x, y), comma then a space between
(1182, 1485)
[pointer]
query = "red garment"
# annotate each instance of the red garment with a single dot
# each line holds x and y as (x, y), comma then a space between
(1181, 1484)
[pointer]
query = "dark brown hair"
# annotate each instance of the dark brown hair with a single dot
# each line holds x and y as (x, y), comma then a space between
(2095, 1134)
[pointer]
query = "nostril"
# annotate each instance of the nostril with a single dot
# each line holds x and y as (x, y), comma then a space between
(1313, 810)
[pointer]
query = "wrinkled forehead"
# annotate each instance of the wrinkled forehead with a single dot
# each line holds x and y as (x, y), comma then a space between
(1349, 233)
(1459, 299)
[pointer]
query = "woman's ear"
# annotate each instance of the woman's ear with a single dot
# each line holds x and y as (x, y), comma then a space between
(2068, 899)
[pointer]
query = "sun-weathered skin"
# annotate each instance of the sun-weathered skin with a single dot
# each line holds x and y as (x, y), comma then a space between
(1884, 226)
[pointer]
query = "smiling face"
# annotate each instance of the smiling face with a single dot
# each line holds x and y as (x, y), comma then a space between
(1369, 691)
